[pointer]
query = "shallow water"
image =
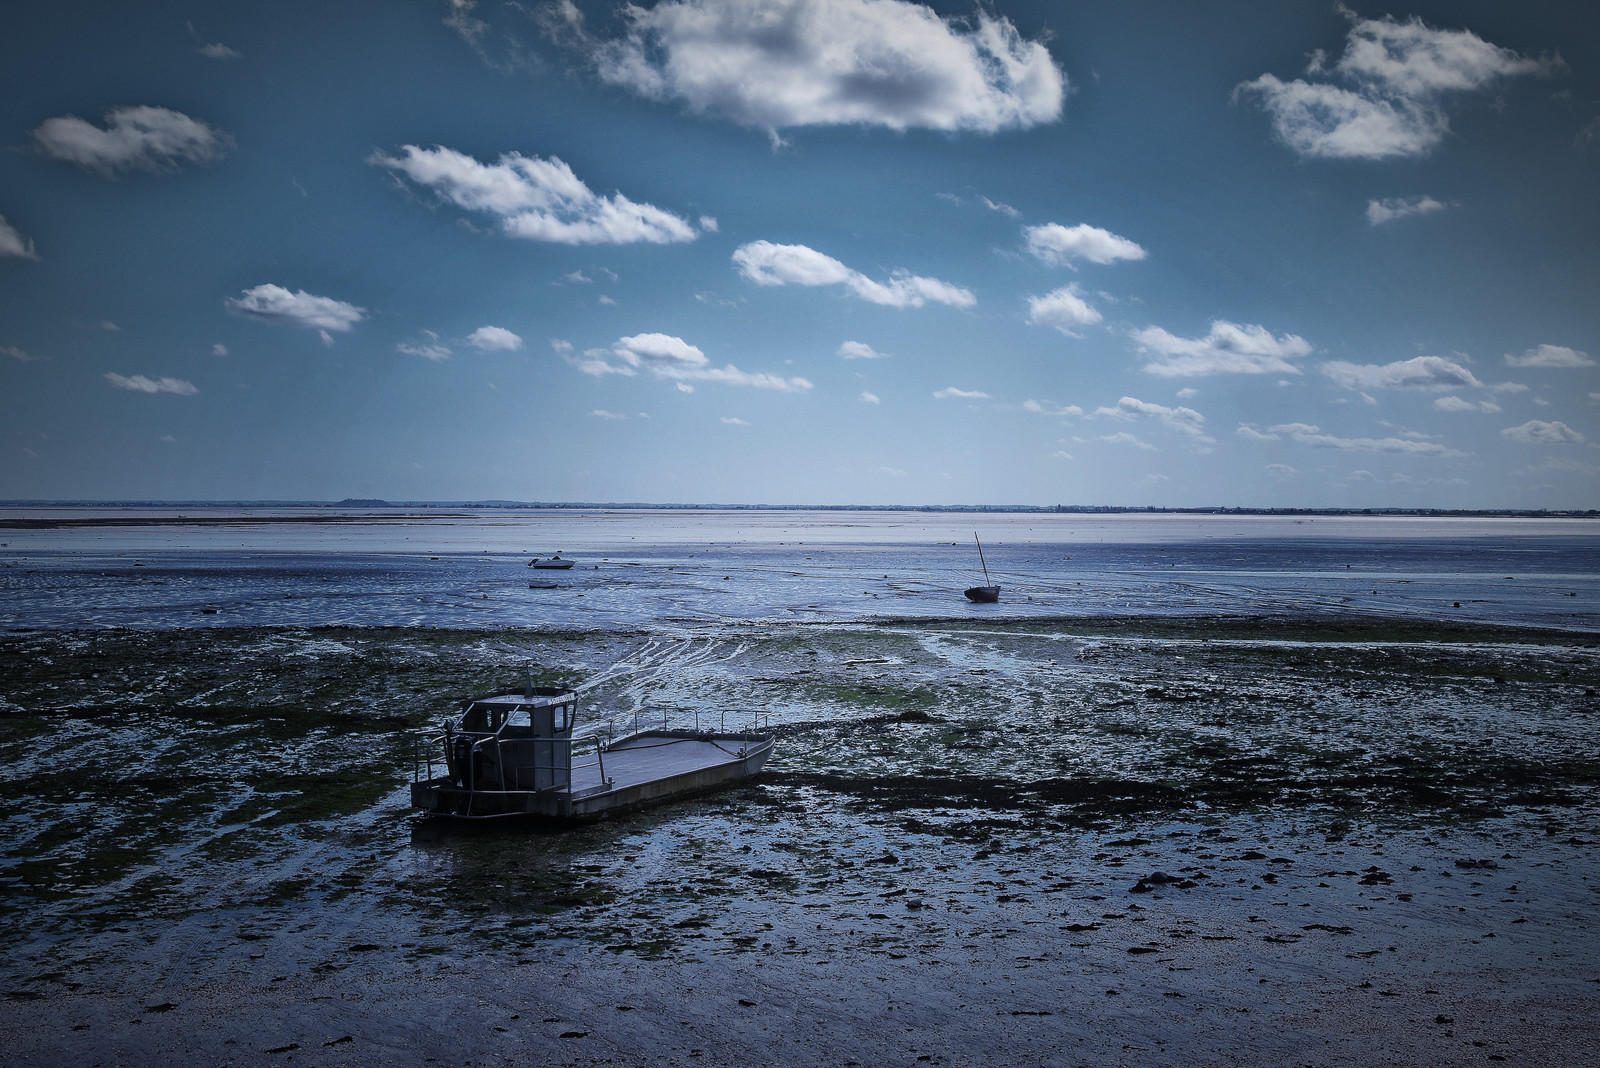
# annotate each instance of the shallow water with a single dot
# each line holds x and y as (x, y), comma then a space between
(674, 571)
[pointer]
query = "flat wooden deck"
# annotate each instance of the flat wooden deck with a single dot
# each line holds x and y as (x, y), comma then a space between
(649, 757)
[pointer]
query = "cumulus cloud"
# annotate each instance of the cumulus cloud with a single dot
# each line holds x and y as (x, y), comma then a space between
(1228, 348)
(1453, 403)
(132, 139)
(733, 420)
(1047, 407)
(219, 349)
(1386, 96)
(13, 243)
(961, 394)
(1122, 437)
(1306, 434)
(1281, 471)
(428, 348)
(537, 199)
(1539, 432)
(494, 339)
(1551, 356)
(141, 384)
(1382, 211)
(1185, 421)
(20, 355)
(1420, 372)
(601, 413)
(829, 62)
(668, 357)
(767, 264)
(217, 51)
(869, 398)
(860, 350)
(275, 304)
(1063, 309)
(1061, 245)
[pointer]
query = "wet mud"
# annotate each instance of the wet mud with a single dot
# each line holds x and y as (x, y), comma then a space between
(1329, 840)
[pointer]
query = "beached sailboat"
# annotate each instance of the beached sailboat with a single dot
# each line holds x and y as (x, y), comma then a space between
(554, 563)
(986, 594)
(512, 754)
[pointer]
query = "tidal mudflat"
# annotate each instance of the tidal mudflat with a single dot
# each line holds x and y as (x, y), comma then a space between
(1220, 839)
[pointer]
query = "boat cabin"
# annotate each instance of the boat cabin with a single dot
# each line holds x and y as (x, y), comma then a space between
(513, 742)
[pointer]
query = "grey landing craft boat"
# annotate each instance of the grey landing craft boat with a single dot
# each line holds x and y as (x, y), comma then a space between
(513, 754)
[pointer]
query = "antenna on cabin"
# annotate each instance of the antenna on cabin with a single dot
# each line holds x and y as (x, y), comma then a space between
(982, 561)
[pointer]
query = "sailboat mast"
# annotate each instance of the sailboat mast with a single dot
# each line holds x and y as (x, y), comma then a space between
(982, 561)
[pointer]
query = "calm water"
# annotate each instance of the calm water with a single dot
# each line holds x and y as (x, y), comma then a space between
(674, 571)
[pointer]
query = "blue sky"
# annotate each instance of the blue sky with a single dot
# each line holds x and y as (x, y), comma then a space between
(821, 251)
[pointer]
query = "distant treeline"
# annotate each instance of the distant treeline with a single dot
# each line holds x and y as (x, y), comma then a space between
(1076, 509)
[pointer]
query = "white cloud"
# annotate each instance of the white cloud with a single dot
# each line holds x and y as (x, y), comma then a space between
(670, 357)
(1453, 403)
(1229, 348)
(859, 350)
(18, 354)
(1185, 421)
(217, 51)
(219, 349)
(767, 264)
(709, 224)
(537, 199)
(429, 349)
(141, 384)
(1382, 211)
(869, 398)
(1063, 309)
(1420, 372)
(494, 339)
(1281, 471)
(1061, 454)
(1539, 432)
(1003, 209)
(1401, 74)
(13, 243)
(732, 420)
(1125, 438)
(1306, 434)
(1061, 245)
(825, 62)
(963, 394)
(1050, 408)
(133, 138)
(601, 413)
(275, 304)
(1551, 356)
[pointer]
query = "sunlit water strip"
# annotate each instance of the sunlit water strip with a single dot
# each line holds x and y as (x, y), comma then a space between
(679, 571)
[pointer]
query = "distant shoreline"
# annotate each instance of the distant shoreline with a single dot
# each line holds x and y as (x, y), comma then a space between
(397, 510)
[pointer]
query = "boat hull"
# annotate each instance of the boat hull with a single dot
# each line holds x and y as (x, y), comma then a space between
(984, 594)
